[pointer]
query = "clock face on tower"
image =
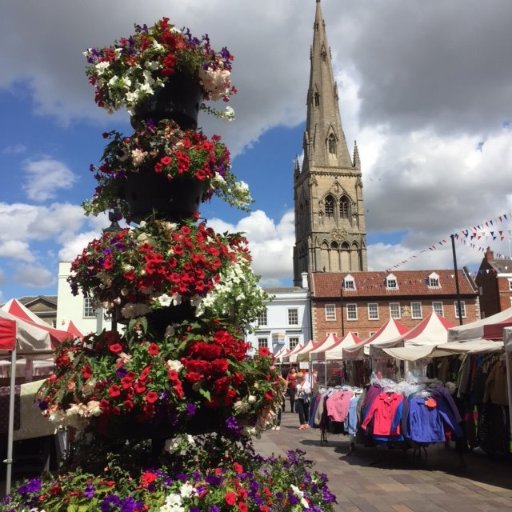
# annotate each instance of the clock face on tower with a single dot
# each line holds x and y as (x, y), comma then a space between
(339, 234)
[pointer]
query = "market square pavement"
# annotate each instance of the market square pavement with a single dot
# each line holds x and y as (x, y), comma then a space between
(378, 479)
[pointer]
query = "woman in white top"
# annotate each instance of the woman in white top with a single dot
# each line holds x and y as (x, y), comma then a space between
(302, 397)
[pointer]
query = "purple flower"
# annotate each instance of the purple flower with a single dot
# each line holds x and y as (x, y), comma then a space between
(89, 491)
(233, 426)
(30, 487)
(191, 409)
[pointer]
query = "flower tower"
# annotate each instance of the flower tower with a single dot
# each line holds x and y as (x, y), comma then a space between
(162, 412)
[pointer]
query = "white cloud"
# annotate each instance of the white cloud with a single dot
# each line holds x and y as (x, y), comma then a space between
(271, 244)
(45, 177)
(34, 276)
(16, 250)
(14, 149)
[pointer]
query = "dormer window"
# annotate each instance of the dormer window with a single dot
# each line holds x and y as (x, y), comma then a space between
(391, 282)
(433, 281)
(349, 283)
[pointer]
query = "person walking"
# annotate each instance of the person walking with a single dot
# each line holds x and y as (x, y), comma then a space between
(292, 382)
(302, 397)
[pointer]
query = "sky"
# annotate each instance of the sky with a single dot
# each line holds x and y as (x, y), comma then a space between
(424, 87)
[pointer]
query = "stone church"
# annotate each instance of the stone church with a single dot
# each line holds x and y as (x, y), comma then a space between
(330, 232)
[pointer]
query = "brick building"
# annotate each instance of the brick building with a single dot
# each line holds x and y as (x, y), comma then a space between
(494, 281)
(361, 302)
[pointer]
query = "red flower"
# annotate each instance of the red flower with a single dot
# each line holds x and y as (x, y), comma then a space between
(151, 397)
(147, 478)
(86, 372)
(139, 387)
(242, 506)
(115, 348)
(238, 467)
(264, 351)
(153, 349)
(230, 498)
(173, 376)
(114, 391)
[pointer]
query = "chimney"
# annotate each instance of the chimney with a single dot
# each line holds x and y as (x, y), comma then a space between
(304, 276)
(489, 255)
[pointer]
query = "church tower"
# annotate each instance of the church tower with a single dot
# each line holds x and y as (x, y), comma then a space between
(330, 231)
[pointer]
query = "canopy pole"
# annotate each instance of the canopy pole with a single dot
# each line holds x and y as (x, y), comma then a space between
(457, 289)
(508, 364)
(10, 431)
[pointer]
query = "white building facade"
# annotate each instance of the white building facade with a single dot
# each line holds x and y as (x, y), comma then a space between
(76, 308)
(286, 321)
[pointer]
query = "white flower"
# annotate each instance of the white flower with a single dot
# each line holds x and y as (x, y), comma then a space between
(187, 490)
(93, 408)
(101, 67)
(164, 300)
(251, 399)
(174, 365)
(300, 495)
(172, 503)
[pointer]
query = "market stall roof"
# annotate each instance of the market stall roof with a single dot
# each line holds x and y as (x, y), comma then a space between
(310, 345)
(23, 314)
(7, 332)
(416, 352)
(318, 353)
(390, 330)
(280, 353)
(74, 330)
(476, 329)
(432, 330)
(286, 358)
(336, 352)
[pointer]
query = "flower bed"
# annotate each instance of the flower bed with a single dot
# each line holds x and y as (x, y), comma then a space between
(259, 485)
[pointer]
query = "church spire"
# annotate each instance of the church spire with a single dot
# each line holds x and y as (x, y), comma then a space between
(326, 146)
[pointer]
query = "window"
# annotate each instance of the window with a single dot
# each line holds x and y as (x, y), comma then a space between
(293, 342)
(262, 343)
(416, 312)
(462, 309)
(351, 311)
(293, 316)
(344, 208)
(433, 281)
(89, 309)
(317, 99)
(394, 310)
(349, 283)
(371, 333)
(510, 284)
(329, 206)
(437, 307)
(330, 312)
(262, 318)
(373, 311)
(391, 282)
(332, 144)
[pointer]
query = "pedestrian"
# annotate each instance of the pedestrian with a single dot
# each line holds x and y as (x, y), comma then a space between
(302, 397)
(292, 382)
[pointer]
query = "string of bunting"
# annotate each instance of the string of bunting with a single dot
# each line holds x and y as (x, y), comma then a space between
(469, 236)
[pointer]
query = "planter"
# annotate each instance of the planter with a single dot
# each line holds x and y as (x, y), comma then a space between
(179, 100)
(151, 193)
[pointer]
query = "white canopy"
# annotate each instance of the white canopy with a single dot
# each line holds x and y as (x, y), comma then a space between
(280, 353)
(318, 353)
(336, 352)
(475, 330)
(431, 331)
(310, 345)
(286, 358)
(390, 330)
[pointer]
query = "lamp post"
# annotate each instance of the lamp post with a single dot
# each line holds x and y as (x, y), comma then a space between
(457, 289)
(114, 217)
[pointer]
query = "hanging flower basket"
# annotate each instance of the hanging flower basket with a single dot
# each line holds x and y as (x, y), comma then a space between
(178, 100)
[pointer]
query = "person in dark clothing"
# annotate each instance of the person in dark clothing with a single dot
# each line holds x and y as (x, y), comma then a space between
(292, 383)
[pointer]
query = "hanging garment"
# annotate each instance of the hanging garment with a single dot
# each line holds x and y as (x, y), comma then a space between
(338, 404)
(382, 414)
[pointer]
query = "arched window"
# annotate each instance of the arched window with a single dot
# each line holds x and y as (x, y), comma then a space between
(329, 206)
(332, 144)
(344, 207)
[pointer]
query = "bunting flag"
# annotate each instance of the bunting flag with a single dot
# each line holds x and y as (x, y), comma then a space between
(474, 233)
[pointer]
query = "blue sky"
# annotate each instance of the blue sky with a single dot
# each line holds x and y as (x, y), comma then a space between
(429, 104)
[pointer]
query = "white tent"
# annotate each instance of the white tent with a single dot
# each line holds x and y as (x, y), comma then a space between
(286, 358)
(318, 353)
(32, 340)
(431, 331)
(390, 330)
(476, 329)
(507, 340)
(281, 353)
(336, 351)
(310, 345)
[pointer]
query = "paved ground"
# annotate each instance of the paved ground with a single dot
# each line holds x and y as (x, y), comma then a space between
(384, 480)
